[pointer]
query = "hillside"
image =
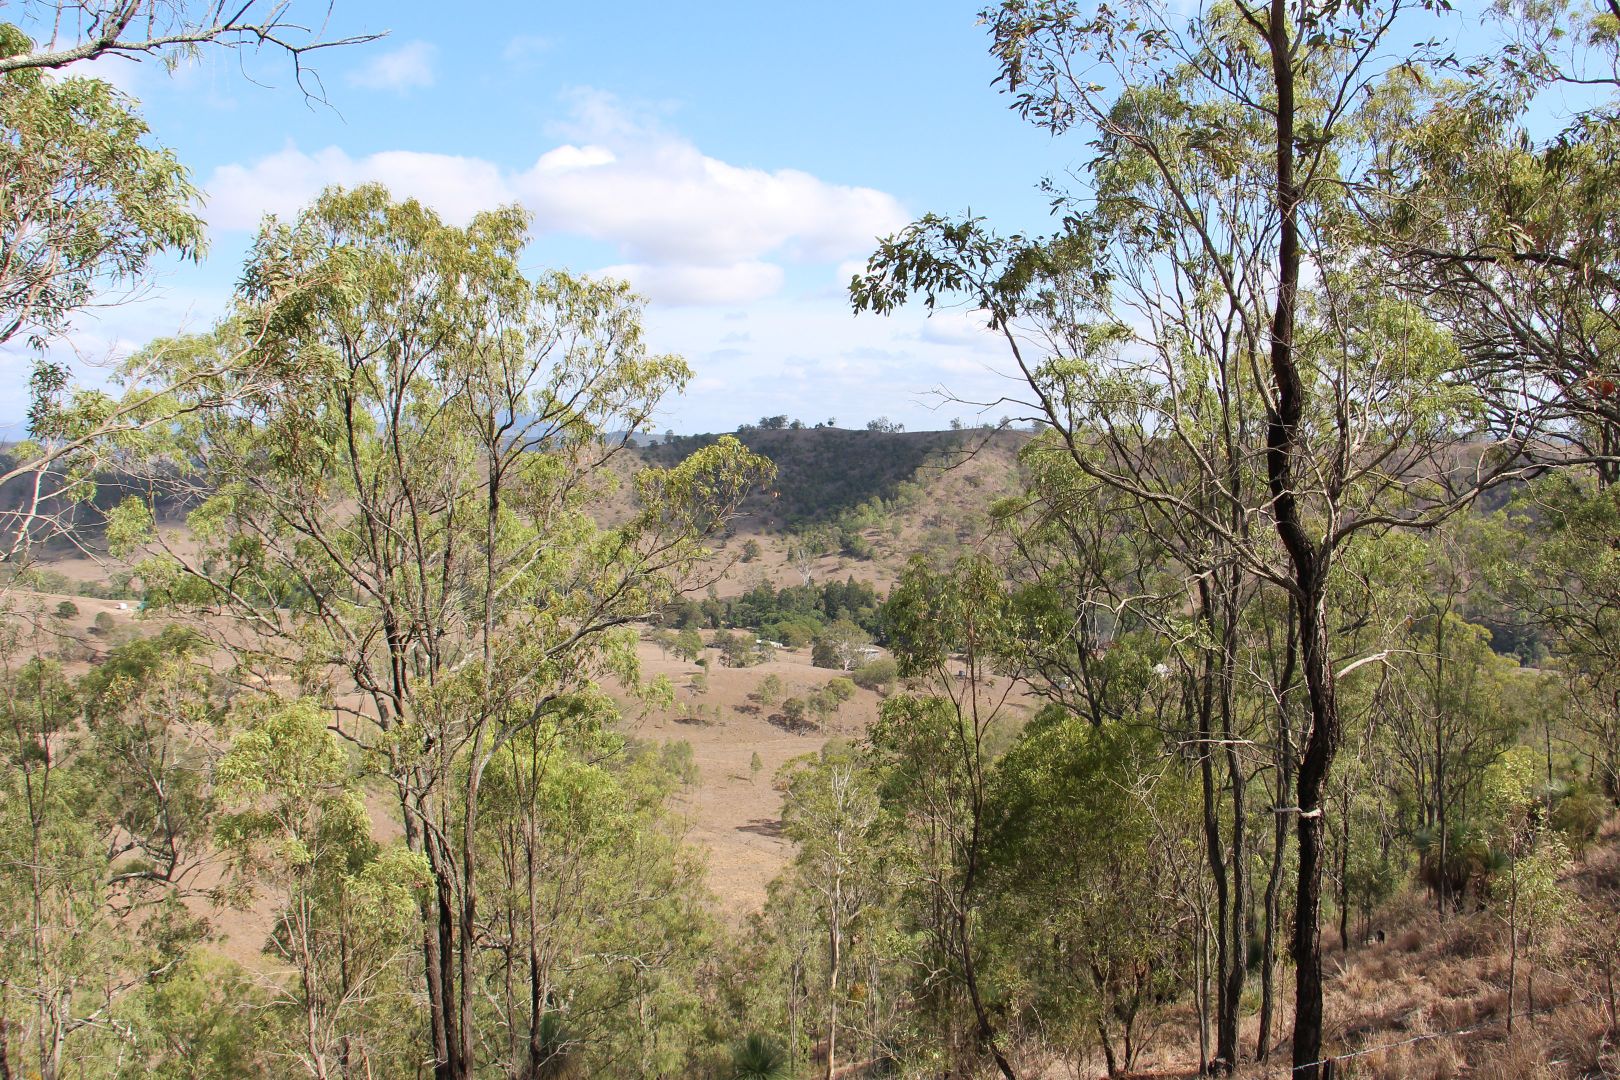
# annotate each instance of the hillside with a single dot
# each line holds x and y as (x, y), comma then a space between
(826, 473)
(1419, 996)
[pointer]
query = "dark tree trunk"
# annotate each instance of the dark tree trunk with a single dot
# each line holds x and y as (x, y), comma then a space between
(1279, 839)
(1285, 447)
(1235, 931)
(1344, 867)
(433, 956)
(451, 1065)
(1320, 747)
(1227, 858)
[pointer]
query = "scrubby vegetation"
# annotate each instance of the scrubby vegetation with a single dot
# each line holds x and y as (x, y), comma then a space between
(1266, 722)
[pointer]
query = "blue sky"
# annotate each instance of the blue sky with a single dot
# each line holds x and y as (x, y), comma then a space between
(735, 160)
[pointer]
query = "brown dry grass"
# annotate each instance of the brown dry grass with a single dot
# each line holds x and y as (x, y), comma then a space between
(1430, 1001)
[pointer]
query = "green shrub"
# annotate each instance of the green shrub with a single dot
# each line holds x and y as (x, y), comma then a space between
(769, 691)
(876, 675)
(1580, 818)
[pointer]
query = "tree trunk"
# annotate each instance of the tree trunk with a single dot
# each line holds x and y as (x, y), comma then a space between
(433, 948)
(1320, 748)
(450, 1065)
(1344, 868)
(1513, 953)
(1227, 862)
(1234, 931)
(834, 954)
(1107, 1047)
(1284, 448)
(1279, 840)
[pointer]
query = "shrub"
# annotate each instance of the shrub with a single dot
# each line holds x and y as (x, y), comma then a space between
(757, 1058)
(794, 633)
(877, 675)
(67, 609)
(1580, 818)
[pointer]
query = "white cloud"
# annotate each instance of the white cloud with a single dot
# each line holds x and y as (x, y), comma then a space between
(730, 283)
(808, 358)
(286, 181)
(568, 158)
(961, 330)
(403, 69)
(666, 200)
(689, 228)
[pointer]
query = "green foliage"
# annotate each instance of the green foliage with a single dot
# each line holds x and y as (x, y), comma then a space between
(105, 814)
(934, 615)
(1087, 825)
(1579, 817)
(688, 645)
(91, 201)
(205, 1019)
(402, 512)
(792, 615)
(769, 691)
(758, 1058)
(832, 477)
(877, 674)
(67, 609)
(840, 645)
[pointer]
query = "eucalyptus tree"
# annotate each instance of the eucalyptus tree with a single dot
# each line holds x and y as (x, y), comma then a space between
(952, 632)
(1092, 833)
(1499, 190)
(1443, 698)
(1209, 288)
(296, 824)
(1570, 585)
(397, 514)
(830, 810)
(106, 812)
(91, 200)
(69, 32)
(1506, 183)
(1130, 597)
(596, 925)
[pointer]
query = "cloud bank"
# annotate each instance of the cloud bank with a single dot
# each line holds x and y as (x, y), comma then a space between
(690, 228)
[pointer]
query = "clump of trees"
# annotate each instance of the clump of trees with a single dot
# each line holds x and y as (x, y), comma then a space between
(794, 615)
